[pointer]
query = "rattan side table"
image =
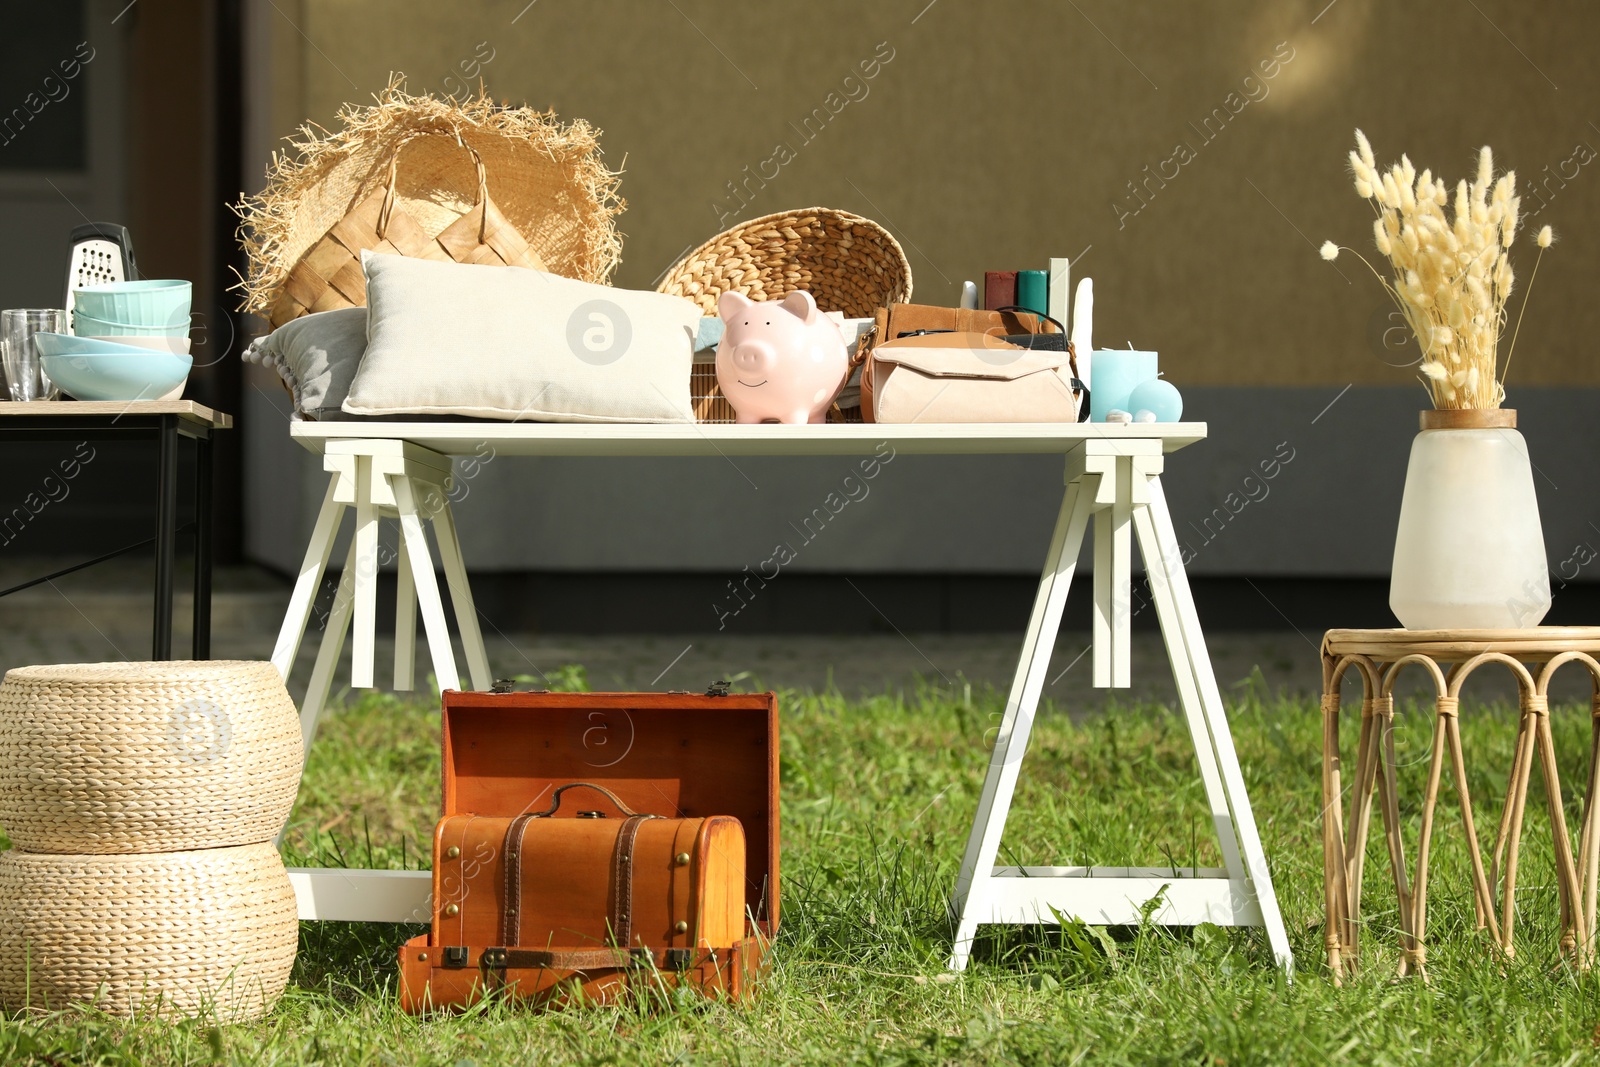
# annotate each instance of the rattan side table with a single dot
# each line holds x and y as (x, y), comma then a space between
(1450, 657)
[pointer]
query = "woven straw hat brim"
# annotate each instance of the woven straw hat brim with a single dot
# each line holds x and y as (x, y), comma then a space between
(146, 757)
(212, 932)
(846, 262)
(546, 177)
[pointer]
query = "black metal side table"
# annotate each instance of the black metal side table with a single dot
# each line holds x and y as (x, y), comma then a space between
(165, 421)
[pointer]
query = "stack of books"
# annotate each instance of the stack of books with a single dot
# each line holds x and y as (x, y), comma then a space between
(1042, 291)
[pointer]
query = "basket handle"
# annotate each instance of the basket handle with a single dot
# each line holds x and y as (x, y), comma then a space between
(394, 160)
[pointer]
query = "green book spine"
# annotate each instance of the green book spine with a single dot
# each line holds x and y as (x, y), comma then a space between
(1032, 290)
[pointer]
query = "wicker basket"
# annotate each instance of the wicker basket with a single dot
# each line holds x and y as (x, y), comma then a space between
(546, 178)
(847, 263)
(178, 933)
(146, 757)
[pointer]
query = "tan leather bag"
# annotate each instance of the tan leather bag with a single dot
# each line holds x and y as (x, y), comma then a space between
(969, 377)
(536, 905)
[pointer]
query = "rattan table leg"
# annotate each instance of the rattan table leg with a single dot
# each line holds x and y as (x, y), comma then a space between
(1355, 848)
(1416, 957)
(1572, 920)
(1333, 859)
(1522, 772)
(1524, 739)
(1483, 899)
(1375, 774)
(1389, 800)
(1589, 835)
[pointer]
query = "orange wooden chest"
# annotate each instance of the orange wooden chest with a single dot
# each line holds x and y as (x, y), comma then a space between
(705, 766)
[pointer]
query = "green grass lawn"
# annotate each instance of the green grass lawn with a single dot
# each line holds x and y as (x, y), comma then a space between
(878, 795)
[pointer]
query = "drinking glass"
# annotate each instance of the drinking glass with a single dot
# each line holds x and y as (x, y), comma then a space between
(24, 372)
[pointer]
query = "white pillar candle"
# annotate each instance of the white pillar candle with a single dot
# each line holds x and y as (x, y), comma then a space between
(1083, 328)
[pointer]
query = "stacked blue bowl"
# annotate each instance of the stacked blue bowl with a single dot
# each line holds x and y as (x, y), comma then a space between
(131, 343)
(132, 309)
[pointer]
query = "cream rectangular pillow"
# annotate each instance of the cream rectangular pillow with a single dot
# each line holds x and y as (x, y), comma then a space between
(519, 344)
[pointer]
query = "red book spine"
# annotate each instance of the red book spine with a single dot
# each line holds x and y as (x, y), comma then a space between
(999, 289)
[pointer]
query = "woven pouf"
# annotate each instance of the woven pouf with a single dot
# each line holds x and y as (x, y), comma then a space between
(146, 757)
(178, 933)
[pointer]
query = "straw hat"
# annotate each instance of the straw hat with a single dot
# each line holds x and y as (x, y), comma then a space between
(546, 178)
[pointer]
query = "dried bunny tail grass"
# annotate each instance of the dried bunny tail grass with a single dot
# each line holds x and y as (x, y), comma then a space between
(547, 177)
(1452, 277)
(1545, 238)
(1480, 188)
(1365, 149)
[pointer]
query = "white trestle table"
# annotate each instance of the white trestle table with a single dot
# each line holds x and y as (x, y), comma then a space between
(1112, 475)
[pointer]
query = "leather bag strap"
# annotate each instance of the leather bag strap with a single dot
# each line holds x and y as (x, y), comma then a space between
(622, 880)
(511, 855)
(498, 960)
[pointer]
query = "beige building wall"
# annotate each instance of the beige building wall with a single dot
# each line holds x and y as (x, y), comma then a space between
(1191, 156)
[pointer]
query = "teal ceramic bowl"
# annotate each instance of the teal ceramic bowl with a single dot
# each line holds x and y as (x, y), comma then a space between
(145, 303)
(86, 325)
(64, 344)
(141, 374)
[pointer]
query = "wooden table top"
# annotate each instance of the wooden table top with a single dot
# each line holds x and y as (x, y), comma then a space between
(111, 410)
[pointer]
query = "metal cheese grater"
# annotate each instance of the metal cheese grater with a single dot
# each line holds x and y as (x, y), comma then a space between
(102, 252)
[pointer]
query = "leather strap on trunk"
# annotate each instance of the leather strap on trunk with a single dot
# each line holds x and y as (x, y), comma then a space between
(622, 881)
(511, 915)
(499, 960)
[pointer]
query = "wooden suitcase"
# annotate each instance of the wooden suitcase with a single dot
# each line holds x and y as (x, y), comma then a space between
(598, 899)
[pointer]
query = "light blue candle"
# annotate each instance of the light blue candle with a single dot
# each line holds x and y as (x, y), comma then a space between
(1117, 372)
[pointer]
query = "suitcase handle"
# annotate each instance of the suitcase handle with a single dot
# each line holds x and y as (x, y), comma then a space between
(555, 801)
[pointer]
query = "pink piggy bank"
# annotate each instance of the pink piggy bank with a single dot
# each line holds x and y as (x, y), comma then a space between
(780, 360)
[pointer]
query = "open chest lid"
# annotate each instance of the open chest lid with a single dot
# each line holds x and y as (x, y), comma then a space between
(670, 754)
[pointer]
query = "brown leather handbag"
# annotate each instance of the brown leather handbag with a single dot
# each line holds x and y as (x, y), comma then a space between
(594, 899)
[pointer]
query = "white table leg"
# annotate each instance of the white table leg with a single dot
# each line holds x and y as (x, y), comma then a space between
(327, 661)
(366, 571)
(1101, 638)
(455, 572)
(983, 844)
(1165, 551)
(405, 622)
(427, 585)
(308, 582)
(1189, 695)
(1119, 482)
(1113, 619)
(328, 652)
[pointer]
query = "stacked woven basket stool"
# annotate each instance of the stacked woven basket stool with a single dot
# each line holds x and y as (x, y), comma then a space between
(142, 800)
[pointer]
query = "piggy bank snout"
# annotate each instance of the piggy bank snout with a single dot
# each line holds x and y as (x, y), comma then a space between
(754, 357)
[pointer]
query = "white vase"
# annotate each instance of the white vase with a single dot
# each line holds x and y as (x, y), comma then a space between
(1469, 553)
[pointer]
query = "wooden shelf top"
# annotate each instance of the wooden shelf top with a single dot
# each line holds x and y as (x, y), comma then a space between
(110, 410)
